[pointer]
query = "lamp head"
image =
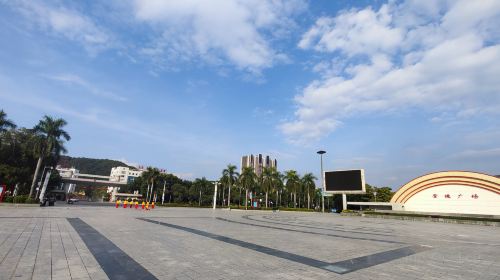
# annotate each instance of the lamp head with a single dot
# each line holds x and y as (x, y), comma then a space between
(321, 152)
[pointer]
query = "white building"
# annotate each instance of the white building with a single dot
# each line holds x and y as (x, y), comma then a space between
(124, 174)
(67, 173)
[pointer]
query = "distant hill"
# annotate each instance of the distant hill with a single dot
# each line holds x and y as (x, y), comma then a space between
(91, 165)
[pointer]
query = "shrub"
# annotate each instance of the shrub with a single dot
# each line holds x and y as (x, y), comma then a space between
(296, 209)
(8, 199)
(20, 199)
(31, 201)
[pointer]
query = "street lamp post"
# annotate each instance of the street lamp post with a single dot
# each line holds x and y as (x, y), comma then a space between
(215, 194)
(322, 181)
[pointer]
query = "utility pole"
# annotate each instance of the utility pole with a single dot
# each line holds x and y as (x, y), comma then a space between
(322, 181)
(215, 194)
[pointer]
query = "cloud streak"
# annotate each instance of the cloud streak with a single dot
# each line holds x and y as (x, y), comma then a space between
(69, 23)
(73, 79)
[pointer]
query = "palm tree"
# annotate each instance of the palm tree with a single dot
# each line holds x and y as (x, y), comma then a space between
(5, 123)
(151, 175)
(277, 184)
(292, 184)
(309, 186)
(248, 180)
(230, 176)
(50, 137)
(200, 186)
(268, 181)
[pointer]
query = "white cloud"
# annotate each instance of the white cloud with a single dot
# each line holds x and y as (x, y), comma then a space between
(395, 59)
(354, 32)
(217, 32)
(65, 22)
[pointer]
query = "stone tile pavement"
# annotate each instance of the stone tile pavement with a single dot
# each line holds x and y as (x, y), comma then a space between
(40, 243)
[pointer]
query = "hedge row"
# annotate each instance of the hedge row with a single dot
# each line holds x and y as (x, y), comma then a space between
(19, 199)
(233, 207)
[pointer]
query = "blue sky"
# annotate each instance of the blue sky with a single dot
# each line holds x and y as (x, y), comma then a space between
(399, 88)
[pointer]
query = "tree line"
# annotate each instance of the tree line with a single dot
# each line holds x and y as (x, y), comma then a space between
(270, 189)
(24, 152)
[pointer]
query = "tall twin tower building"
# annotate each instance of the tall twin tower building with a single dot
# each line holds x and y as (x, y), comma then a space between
(258, 162)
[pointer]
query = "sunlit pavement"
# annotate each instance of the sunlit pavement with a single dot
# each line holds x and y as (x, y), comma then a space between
(86, 242)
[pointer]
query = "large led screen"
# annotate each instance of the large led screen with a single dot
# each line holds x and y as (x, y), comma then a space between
(345, 181)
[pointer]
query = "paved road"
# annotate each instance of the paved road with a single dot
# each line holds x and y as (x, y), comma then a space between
(76, 242)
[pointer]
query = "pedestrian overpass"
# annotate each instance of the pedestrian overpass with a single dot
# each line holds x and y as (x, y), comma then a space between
(92, 181)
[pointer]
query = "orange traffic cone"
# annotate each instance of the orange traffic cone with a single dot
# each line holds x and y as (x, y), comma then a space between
(153, 205)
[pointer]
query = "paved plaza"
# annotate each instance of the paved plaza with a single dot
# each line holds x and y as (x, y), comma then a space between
(86, 242)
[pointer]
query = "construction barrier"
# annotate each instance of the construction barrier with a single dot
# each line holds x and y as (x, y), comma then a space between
(124, 204)
(153, 205)
(136, 204)
(117, 203)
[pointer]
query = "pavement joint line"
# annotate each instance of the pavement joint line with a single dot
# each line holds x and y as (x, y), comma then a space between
(341, 267)
(64, 250)
(298, 222)
(24, 248)
(13, 243)
(7, 237)
(311, 232)
(116, 263)
(295, 225)
(38, 248)
(77, 249)
(51, 251)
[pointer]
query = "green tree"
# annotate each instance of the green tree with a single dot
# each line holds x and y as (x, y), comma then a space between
(17, 161)
(151, 175)
(5, 123)
(384, 194)
(292, 184)
(50, 140)
(309, 186)
(268, 181)
(277, 185)
(180, 193)
(229, 177)
(200, 190)
(248, 180)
